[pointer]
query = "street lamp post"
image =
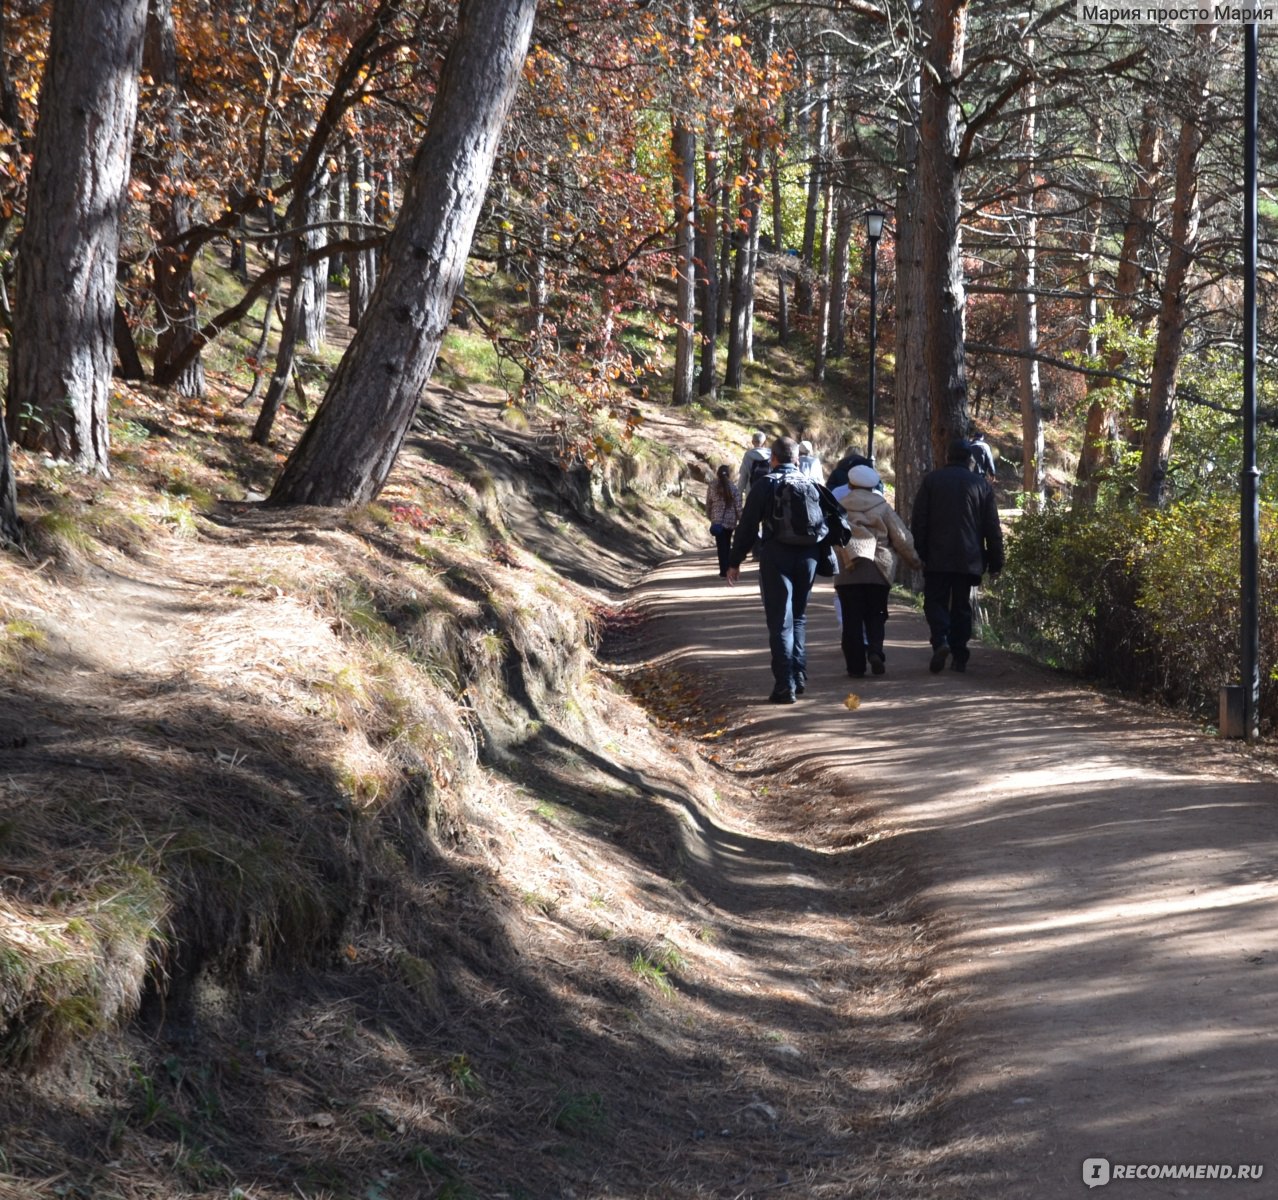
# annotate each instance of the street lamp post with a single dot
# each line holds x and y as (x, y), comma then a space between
(873, 231)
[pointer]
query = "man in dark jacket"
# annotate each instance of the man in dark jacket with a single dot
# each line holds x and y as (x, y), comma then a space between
(787, 563)
(957, 535)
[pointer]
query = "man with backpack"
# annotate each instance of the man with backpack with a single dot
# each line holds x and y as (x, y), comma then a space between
(786, 510)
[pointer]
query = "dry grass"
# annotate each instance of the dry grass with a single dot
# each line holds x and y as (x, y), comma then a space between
(336, 867)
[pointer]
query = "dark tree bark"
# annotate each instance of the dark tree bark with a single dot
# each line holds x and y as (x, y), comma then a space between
(940, 203)
(10, 525)
(912, 433)
(840, 268)
(60, 367)
(349, 448)
(173, 285)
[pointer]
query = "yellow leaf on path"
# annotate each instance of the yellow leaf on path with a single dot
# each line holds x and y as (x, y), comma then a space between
(853, 702)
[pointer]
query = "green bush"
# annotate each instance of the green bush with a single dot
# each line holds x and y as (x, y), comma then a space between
(1146, 600)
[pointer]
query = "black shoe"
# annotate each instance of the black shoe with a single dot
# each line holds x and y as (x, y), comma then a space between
(939, 655)
(780, 697)
(856, 674)
(877, 665)
(959, 664)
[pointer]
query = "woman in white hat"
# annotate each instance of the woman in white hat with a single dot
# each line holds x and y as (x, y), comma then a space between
(866, 567)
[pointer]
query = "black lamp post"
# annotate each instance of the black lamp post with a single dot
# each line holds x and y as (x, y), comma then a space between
(873, 231)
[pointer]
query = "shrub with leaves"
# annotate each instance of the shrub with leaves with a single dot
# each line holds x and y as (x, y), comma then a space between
(1147, 600)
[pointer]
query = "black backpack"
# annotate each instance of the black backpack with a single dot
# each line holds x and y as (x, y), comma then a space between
(796, 518)
(758, 469)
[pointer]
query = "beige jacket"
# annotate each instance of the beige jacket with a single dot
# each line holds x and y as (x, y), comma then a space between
(878, 535)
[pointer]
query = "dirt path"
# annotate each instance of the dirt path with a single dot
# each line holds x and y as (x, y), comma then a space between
(1109, 877)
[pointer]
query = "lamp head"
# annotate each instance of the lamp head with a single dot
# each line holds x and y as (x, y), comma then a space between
(874, 224)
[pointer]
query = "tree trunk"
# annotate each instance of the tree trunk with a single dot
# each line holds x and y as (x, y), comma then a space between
(822, 332)
(173, 286)
(349, 448)
(312, 323)
(940, 201)
(1100, 429)
(60, 368)
(912, 429)
(361, 261)
(1031, 395)
(10, 524)
(1157, 441)
(778, 243)
(683, 152)
(752, 255)
(845, 219)
(707, 271)
(747, 221)
(803, 288)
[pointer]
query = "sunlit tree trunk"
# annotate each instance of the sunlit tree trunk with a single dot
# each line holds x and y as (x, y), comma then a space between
(349, 448)
(742, 275)
(822, 331)
(804, 295)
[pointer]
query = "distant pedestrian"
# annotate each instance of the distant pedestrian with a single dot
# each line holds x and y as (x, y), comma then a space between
(867, 565)
(783, 509)
(723, 510)
(957, 535)
(809, 463)
(755, 464)
(982, 460)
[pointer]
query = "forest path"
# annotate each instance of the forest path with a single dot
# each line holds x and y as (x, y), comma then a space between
(1107, 877)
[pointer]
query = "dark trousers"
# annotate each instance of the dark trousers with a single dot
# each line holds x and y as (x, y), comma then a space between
(785, 581)
(864, 608)
(947, 605)
(723, 543)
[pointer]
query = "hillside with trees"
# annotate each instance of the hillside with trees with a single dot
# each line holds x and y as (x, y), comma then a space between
(359, 355)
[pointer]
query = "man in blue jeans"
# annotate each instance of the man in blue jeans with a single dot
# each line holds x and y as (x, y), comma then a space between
(783, 509)
(957, 535)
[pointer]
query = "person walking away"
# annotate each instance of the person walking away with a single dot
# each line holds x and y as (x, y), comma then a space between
(982, 460)
(723, 510)
(754, 464)
(957, 535)
(783, 512)
(809, 463)
(867, 565)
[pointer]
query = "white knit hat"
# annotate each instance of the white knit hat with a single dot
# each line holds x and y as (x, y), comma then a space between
(863, 476)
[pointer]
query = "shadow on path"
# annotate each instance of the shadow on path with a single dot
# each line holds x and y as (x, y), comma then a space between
(1111, 876)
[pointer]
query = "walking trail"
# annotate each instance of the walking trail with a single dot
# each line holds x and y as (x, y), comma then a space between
(1107, 875)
